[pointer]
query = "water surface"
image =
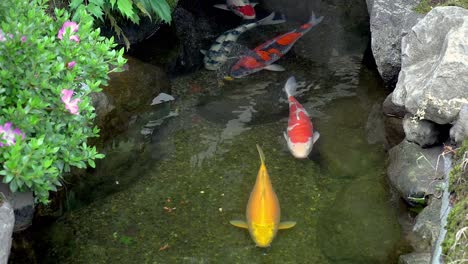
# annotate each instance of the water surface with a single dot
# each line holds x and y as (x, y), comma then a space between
(169, 186)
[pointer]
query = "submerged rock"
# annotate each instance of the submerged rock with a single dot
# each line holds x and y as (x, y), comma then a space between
(394, 132)
(459, 131)
(391, 109)
(432, 81)
(422, 132)
(427, 226)
(7, 221)
(415, 258)
(342, 228)
(412, 170)
(389, 21)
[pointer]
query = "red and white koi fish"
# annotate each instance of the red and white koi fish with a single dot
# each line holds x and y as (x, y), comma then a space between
(263, 56)
(300, 135)
(242, 8)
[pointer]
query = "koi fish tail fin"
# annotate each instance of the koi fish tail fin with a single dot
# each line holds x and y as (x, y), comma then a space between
(269, 20)
(290, 86)
(314, 20)
(262, 155)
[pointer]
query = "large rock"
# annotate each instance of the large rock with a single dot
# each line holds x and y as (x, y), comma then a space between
(7, 222)
(394, 132)
(23, 206)
(415, 258)
(421, 132)
(391, 109)
(412, 169)
(389, 21)
(459, 131)
(427, 226)
(433, 80)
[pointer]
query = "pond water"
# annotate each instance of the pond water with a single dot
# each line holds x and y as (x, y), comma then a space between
(169, 185)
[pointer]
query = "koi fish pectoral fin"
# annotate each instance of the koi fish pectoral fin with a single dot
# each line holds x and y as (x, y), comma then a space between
(316, 136)
(239, 223)
(223, 7)
(285, 136)
(274, 67)
(286, 225)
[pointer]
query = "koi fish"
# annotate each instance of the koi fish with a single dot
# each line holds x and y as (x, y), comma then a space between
(242, 8)
(263, 209)
(300, 135)
(216, 56)
(263, 56)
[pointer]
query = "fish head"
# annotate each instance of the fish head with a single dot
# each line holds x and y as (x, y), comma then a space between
(300, 150)
(242, 8)
(263, 234)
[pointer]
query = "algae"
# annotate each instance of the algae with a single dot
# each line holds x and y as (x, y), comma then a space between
(426, 5)
(455, 245)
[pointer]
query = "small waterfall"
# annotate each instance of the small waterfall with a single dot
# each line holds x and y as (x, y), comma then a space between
(444, 211)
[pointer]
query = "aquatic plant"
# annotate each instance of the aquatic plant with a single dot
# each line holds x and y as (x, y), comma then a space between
(44, 63)
(455, 244)
(426, 5)
(129, 9)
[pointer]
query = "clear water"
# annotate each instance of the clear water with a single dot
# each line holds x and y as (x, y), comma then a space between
(170, 184)
(168, 196)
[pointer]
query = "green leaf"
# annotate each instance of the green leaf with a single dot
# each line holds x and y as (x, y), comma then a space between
(13, 186)
(91, 163)
(95, 10)
(75, 3)
(112, 2)
(162, 8)
(143, 9)
(125, 7)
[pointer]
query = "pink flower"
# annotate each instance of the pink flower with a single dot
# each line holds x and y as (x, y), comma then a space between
(70, 105)
(9, 135)
(2, 36)
(73, 28)
(71, 64)
(23, 39)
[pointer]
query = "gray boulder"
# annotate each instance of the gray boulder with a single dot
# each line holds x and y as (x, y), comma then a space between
(389, 21)
(421, 132)
(22, 204)
(432, 81)
(459, 131)
(7, 222)
(427, 226)
(415, 258)
(391, 109)
(394, 132)
(412, 170)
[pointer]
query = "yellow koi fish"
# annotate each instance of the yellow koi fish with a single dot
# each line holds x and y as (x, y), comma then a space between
(263, 209)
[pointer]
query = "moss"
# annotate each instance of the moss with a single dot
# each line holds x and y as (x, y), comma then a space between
(457, 219)
(426, 5)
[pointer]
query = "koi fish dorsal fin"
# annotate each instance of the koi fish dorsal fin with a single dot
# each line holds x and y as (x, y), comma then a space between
(239, 223)
(290, 86)
(286, 225)
(262, 156)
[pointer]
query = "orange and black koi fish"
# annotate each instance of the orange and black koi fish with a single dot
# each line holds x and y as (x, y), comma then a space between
(263, 56)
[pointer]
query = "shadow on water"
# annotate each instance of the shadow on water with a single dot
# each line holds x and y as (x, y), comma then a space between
(169, 186)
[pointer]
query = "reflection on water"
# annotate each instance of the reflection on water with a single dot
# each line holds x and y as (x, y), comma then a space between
(174, 191)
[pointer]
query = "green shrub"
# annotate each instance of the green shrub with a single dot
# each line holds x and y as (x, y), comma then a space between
(129, 9)
(48, 68)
